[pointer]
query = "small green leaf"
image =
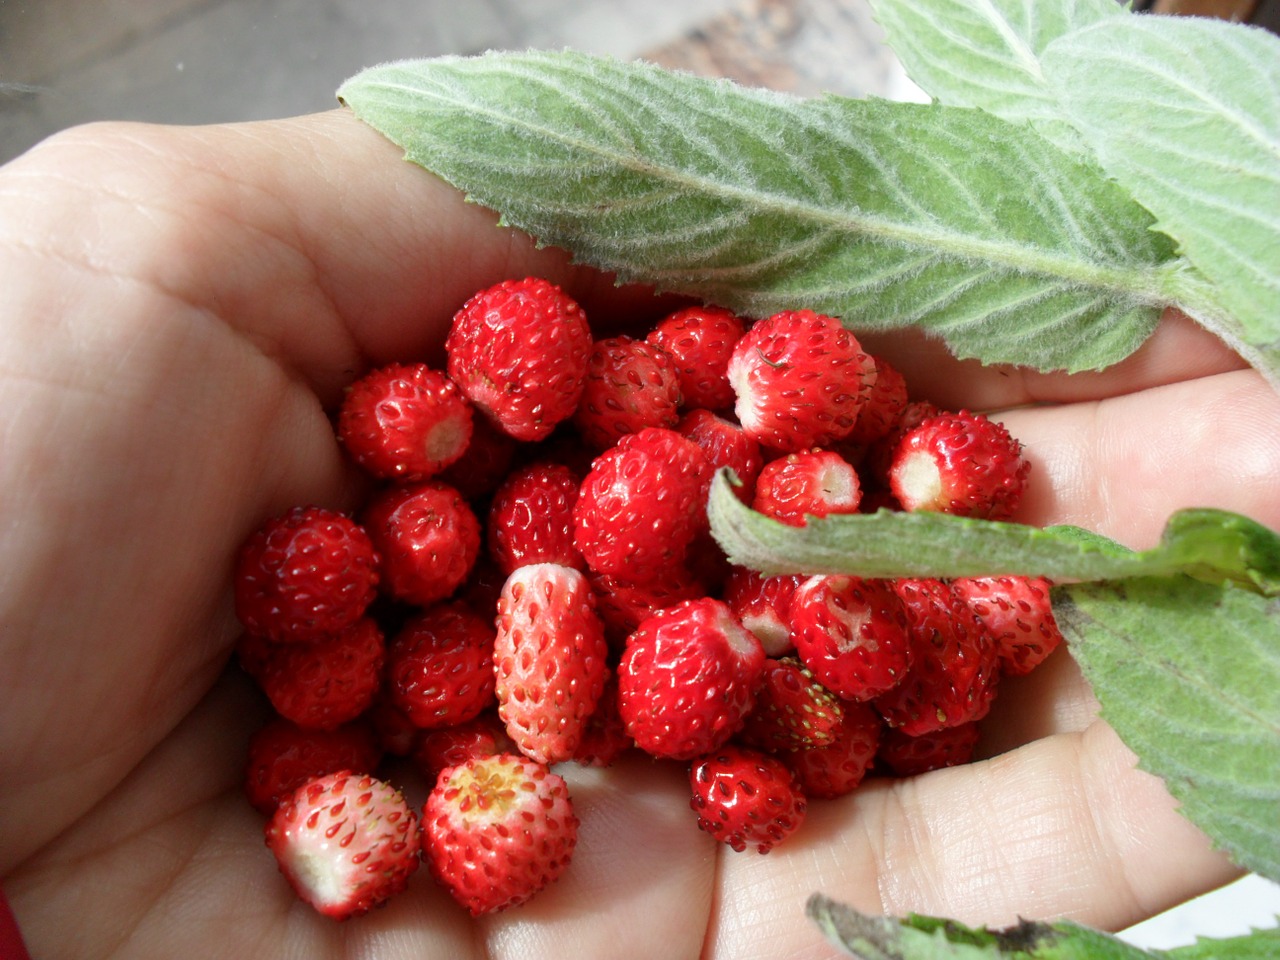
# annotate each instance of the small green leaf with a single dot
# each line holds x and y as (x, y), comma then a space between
(1188, 674)
(1210, 544)
(987, 54)
(884, 214)
(1185, 113)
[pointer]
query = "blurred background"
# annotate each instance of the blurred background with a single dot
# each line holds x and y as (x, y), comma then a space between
(64, 62)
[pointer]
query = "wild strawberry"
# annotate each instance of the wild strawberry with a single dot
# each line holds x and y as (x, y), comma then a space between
(880, 453)
(305, 574)
(404, 422)
(800, 379)
(763, 604)
(726, 445)
(531, 518)
(839, 767)
(345, 842)
(963, 464)
(700, 340)
(792, 710)
(884, 406)
(484, 464)
(907, 756)
(519, 350)
(605, 737)
(440, 666)
(483, 736)
(642, 505)
(746, 798)
(283, 756)
(852, 633)
(954, 667)
(688, 678)
(623, 605)
(428, 538)
(549, 659)
(1017, 612)
(323, 684)
(812, 483)
(496, 830)
(630, 385)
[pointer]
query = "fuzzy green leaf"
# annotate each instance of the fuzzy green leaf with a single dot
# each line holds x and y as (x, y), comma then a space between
(1210, 544)
(1185, 114)
(884, 214)
(1188, 674)
(929, 938)
(986, 54)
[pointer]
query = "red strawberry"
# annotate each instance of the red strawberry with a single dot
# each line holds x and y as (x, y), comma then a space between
(346, 843)
(519, 352)
(323, 684)
(484, 464)
(531, 518)
(746, 798)
(880, 453)
(605, 737)
(963, 464)
(884, 406)
(852, 633)
(1019, 615)
(800, 379)
(440, 666)
(283, 756)
(496, 830)
(623, 606)
(484, 736)
(763, 604)
(404, 422)
(839, 767)
(549, 659)
(642, 505)
(630, 385)
(428, 538)
(812, 483)
(688, 678)
(792, 710)
(305, 574)
(907, 756)
(954, 666)
(700, 340)
(726, 445)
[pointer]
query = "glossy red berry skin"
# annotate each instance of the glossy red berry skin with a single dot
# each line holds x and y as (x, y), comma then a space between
(1018, 613)
(726, 445)
(700, 340)
(839, 767)
(811, 483)
(518, 350)
(745, 798)
(763, 604)
(305, 574)
(630, 385)
(792, 710)
(439, 669)
(531, 518)
(283, 756)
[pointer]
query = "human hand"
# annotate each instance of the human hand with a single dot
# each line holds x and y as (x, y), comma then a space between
(178, 310)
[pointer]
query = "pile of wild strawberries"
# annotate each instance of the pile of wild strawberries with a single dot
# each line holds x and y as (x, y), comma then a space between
(533, 581)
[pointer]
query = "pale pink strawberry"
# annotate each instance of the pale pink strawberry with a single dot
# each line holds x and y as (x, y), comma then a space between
(839, 767)
(700, 340)
(811, 483)
(497, 830)
(1019, 615)
(630, 385)
(745, 798)
(792, 710)
(963, 464)
(852, 633)
(800, 379)
(518, 350)
(304, 574)
(531, 517)
(763, 604)
(688, 678)
(642, 505)
(954, 665)
(346, 843)
(440, 666)
(282, 756)
(428, 538)
(404, 422)
(726, 445)
(906, 756)
(550, 659)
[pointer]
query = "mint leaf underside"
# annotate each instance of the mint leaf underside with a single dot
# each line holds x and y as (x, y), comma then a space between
(1211, 544)
(884, 214)
(928, 938)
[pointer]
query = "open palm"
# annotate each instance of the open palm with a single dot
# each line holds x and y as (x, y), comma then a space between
(179, 309)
